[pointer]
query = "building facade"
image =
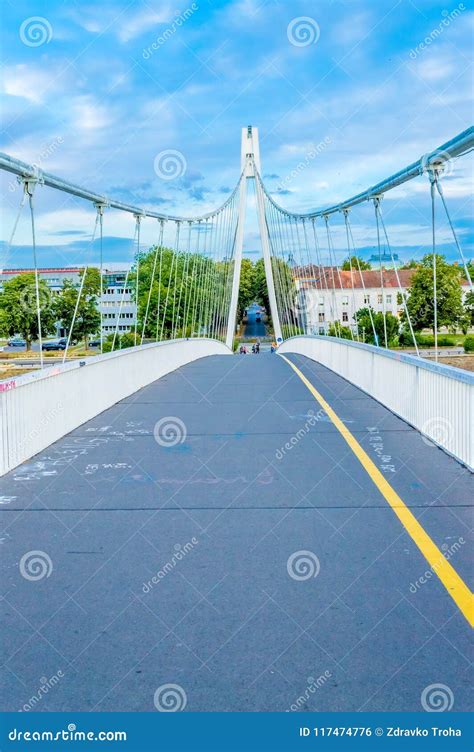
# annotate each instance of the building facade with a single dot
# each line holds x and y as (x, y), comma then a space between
(335, 295)
(116, 304)
(331, 295)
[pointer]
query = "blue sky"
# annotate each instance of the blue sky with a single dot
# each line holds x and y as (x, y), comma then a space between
(113, 84)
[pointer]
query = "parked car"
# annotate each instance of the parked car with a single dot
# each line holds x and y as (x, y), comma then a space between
(54, 344)
(94, 343)
(16, 342)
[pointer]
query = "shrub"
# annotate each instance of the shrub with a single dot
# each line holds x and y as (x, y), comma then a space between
(426, 340)
(469, 343)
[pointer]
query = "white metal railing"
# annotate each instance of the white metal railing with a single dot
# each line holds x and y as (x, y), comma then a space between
(438, 400)
(40, 407)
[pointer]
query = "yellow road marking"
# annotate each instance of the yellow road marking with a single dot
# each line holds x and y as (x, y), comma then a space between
(456, 587)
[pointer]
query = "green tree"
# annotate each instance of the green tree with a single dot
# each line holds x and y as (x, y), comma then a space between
(260, 285)
(356, 261)
(285, 288)
(469, 307)
(411, 264)
(420, 301)
(364, 320)
(470, 269)
(18, 308)
(340, 331)
(87, 319)
(246, 286)
(122, 341)
(180, 292)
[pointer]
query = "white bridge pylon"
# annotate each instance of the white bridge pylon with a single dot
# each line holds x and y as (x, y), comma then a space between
(250, 163)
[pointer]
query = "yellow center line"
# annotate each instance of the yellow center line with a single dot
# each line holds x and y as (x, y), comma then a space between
(454, 584)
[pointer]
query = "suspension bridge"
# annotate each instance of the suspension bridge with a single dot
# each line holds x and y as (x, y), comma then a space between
(188, 529)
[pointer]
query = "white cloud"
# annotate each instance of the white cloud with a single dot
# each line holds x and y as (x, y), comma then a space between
(26, 82)
(143, 21)
(435, 69)
(126, 26)
(89, 114)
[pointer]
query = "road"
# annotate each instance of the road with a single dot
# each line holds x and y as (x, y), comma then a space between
(254, 328)
(246, 557)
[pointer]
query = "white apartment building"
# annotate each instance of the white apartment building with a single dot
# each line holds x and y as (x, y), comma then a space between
(335, 295)
(117, 304)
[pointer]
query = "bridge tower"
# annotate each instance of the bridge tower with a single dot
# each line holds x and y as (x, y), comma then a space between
(250, 165)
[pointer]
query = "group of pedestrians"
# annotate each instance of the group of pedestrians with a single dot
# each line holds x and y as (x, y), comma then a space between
(255, 348)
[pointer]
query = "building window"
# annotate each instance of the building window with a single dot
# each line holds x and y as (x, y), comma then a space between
(389, 298)
(367, 299)
(345, 300)
(345, 316)
(321, 316)
(379, 298)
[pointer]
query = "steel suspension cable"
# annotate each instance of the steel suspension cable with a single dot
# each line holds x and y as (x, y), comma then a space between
(382, 289)
(29, 188)
(402, 295)
(272, 236)
(170, 277)
(79, 294)
(122, 299)
(432, 175)
(196, 284)
(285, 279)
(138, 218)
(349, 252)
(458, 245)
(349, 228)
(158, 302)
(189, 283)
(174, 314)
(155, 260)
(100, 213)
(334, 310)
(183, 286)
